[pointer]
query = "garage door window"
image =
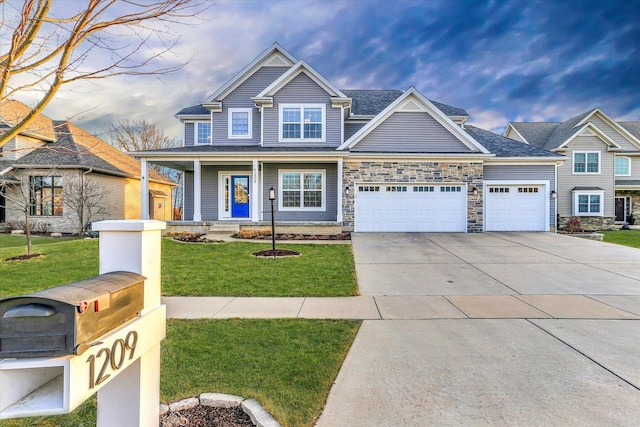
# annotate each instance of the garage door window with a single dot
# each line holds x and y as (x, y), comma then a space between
(498, 189)
(302, 190)
(450, 189)
(527, 189)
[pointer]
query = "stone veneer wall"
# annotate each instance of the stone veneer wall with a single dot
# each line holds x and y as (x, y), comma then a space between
(590, 223)
(416, 173)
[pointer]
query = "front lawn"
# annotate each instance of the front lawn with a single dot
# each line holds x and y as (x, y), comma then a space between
(198, 269)
(20, 240)
(228, 269)
(287, 365)
(623, 237)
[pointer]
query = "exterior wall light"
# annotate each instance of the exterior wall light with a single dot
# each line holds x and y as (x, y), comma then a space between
(272, 194)
(553, 194)
(346, 190)
(474, 191)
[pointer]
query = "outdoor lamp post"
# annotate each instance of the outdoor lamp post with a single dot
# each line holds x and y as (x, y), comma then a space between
(272, 197)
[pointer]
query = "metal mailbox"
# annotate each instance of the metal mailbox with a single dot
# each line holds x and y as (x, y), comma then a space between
(67, 319)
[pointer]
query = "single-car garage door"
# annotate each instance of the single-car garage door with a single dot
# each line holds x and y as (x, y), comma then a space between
(515, 208)
(415, 207)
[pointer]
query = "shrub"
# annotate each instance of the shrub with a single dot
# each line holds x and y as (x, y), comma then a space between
(574, 225)
(252, 234)
(37, 227)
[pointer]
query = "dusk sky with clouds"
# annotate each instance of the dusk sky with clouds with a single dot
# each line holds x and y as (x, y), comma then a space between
(501, 61)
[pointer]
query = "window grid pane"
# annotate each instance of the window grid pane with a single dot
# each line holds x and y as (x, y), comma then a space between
(622, 166)
(291, 199)
(592, 162)
(594, 204)
(240, 123)
(290, 181)
(302, 123)
(204, 133)
(312, 199)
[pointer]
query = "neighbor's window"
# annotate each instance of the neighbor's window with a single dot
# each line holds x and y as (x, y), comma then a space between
(588, 203)
(302, 122)
(623, 166)
(586, 162)
(46, 195)
(203, 135)
(302, 190)
(240, 123)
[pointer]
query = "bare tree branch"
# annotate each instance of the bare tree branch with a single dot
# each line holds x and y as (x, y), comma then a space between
(49, 49)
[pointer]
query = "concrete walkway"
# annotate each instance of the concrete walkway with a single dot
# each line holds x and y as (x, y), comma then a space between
(494, 329)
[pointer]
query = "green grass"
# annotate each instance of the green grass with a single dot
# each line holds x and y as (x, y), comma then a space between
(228, 269)
(225, 269)
(10, 240)
(287, 365)
(623, 237)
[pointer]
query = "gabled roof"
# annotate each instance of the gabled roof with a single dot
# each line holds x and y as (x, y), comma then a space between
(195, 110)
(275, 55)
(503, 147)
(13, 112)
(632, 127)
(534, 133)
(615, 125)
(427, 106)
(298, 68)
(75, 147)
(595, 130)
(372, 102)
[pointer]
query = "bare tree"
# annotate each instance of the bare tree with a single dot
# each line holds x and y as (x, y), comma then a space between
(85, 199)
(47, 49)
(138, 135)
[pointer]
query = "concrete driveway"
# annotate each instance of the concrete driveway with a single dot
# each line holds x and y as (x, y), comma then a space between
(497, 329)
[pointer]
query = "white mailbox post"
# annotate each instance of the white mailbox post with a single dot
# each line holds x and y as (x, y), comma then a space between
(122, 366)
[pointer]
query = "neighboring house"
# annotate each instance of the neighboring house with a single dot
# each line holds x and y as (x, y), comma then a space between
(40, 167)
(600, 181)
(350, 160)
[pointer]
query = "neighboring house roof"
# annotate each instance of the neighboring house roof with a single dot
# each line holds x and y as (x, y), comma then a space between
(632, 127)
(75, 147)
(13, 112)
(502, 146)
(195, 110)
(534, 133)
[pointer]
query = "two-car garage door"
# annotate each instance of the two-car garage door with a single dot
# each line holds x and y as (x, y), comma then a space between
(443, 208)
(404, 207)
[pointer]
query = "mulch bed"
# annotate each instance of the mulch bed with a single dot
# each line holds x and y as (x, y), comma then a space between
(278, 253)
(289, 236)
(23, 257)
(207, 416)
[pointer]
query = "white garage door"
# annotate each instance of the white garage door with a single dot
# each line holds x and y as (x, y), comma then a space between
(515, 208)
(402, 207)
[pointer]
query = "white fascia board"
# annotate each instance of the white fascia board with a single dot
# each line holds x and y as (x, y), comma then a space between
(419, 157)
(438, 115)
(3, 171)
(510, 126)
(248, 71)
(292, 72)
(214, 107)
(625, 133)
(593, 128)
(192, 116)
(534, 161)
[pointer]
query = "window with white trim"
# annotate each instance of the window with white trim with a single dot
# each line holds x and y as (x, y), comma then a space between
(622, 166)
(203, 133)
(302, 122)
(588, 203)
(586, 162)
(302, 190)
(240, 123)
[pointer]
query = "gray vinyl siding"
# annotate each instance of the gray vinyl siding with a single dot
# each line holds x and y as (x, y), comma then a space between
(270, 176)
(567, 180)
(405, 132)
(188, 196)
(635, 169)
(524, 173)
(514, 135)
(189, 134)
(241, 98)
(350, 128)
(302, 90)
(612, 133)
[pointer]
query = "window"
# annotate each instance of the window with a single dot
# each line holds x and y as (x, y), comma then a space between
(203, 135)
(449, 189)
(588, 203)
(46, 195)
(623, 166)
(240, 123)
(586, 162)
(302, 122)
(302, 190)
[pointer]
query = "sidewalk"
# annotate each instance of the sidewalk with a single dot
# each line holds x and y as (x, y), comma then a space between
(407, 307)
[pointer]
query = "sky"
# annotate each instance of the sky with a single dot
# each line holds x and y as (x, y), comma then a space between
(501, 61)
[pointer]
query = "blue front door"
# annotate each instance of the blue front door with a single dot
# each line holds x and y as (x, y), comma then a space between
(240, 196)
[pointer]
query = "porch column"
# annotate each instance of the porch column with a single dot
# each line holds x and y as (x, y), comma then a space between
(144, 189)
(255, 193)
(197, 185)
(340, 191)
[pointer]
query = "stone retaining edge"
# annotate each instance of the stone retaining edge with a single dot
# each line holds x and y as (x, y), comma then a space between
(259, 416)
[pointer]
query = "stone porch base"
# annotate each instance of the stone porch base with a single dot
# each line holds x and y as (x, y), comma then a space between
(310, 227)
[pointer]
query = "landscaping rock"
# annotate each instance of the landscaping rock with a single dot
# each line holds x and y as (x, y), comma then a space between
(56, 234)
(17, 231)
(163, 409)
(220, 400)
(184, 404)
(258, 415)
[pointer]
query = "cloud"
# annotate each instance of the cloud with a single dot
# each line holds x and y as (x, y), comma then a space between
(501, 61)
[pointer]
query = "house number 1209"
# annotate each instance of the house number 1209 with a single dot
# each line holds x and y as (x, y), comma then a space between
(114, 357)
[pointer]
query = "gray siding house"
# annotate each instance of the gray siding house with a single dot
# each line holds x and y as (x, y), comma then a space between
(600, 181)
(350, 160)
